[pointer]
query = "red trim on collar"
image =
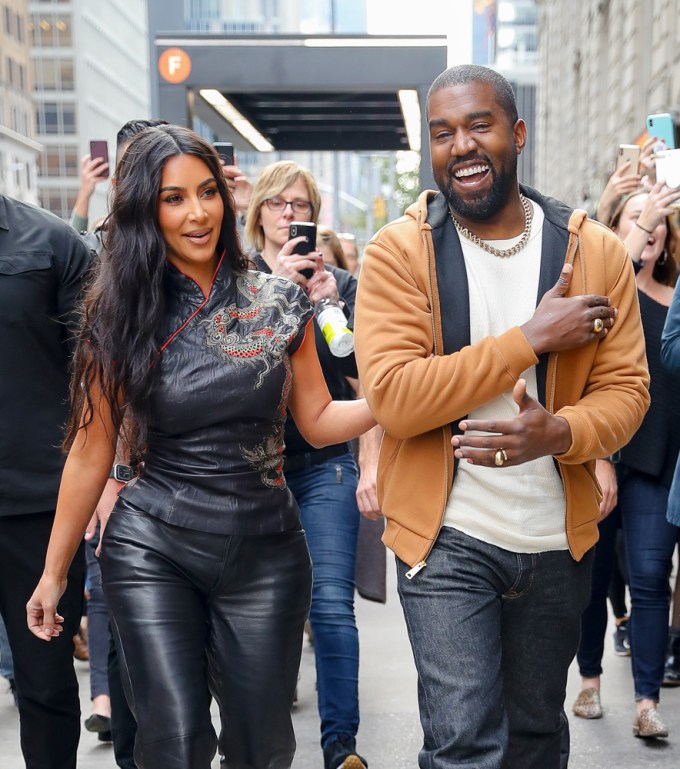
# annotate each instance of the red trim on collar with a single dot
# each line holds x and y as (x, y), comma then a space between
(200, 306)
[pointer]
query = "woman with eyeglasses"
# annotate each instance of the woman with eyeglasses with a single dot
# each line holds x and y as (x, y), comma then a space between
(193, 358)
(323, 481)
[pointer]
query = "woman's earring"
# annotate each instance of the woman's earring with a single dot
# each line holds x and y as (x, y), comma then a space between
(664, 257)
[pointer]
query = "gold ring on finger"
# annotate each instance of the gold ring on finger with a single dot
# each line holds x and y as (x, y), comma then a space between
(500, 458)
(598, 325)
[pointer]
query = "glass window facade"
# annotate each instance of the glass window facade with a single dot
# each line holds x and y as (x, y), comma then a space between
(56, 117)
(50, 30)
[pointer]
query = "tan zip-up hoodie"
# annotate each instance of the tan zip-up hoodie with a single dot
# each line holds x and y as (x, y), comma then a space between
(416, 392)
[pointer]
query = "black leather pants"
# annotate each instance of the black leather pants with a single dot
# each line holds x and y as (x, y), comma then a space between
(199, 614)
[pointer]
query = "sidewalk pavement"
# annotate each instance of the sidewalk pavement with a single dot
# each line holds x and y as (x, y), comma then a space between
(390, 734)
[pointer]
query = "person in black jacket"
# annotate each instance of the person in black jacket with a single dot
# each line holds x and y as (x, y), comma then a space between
(323, 481)
(42, 264)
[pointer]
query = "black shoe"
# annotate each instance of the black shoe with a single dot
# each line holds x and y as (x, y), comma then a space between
(671, 671)
(621, 644)
(342, 754)
(99, 724)
(105, 737)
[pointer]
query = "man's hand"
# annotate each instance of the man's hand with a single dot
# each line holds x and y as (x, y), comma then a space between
(564, 322)
(533, 433)
(606, 477)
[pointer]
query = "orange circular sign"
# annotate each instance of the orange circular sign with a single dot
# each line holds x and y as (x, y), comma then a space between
(174, 64)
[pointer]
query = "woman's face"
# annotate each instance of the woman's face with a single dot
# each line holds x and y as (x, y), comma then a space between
(275, 223)
(629, 215)
(190, 212)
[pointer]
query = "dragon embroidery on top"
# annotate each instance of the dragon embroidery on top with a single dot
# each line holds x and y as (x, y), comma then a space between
(237, 332)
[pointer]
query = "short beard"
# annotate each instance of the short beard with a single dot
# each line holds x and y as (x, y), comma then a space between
(483, 205)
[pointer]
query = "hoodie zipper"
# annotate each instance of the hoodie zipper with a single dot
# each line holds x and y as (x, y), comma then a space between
(411, 573)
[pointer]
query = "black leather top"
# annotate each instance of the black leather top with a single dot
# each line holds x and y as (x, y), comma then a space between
(215, 449)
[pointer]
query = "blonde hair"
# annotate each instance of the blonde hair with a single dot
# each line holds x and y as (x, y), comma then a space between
(272, 181)
(328, 237)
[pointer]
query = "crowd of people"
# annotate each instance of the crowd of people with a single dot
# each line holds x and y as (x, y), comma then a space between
(190, 454)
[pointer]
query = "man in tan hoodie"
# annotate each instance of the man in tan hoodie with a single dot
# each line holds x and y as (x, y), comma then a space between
(498, 338)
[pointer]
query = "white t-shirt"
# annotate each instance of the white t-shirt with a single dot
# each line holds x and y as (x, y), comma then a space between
(519, 508)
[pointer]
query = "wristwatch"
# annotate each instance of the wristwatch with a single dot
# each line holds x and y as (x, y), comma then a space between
(122, 473)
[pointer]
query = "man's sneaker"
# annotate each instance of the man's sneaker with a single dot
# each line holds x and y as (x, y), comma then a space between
(621, 644)
(342, 754)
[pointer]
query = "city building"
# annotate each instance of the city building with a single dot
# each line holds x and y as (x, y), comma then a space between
(18, 147)
(504, 37)
(91, 75)
(604, 67)
(359, 181)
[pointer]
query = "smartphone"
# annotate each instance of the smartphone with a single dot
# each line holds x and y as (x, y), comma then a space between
(100, 149)
(663, 127)
(305, 246)
(668, 168)
(226, 151)
(628, 153)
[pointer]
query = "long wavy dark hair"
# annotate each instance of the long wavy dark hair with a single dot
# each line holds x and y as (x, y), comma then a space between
(124, 303)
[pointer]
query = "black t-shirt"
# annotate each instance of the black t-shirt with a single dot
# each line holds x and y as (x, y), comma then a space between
(42, 264)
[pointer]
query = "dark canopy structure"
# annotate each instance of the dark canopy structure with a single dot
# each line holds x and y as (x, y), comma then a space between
(296, 92)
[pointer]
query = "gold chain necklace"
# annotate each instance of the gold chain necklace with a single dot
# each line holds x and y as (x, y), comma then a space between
(528, 216)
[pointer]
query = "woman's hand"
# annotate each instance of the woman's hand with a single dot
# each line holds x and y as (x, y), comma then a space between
(658, 206)
(239, 186)
(41, 611)
(322, 285)
(606, 477)
(620, 183)
(647, 164)
(103, 512)
(288, 264)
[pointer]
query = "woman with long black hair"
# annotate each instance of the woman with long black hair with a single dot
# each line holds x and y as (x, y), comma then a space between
(192, 360)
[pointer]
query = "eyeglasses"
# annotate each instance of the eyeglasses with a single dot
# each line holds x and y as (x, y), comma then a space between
(297, 206)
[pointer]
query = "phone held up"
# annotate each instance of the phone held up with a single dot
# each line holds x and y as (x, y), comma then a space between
(663, 127)
(99, 149)
(668, 169)
(305, 246)
(226, 151)
(628, 153)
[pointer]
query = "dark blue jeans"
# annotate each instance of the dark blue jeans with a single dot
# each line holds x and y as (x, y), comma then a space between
(650, 542)
(98, 632)
(493, 633)
(326, 494)
(594, 618)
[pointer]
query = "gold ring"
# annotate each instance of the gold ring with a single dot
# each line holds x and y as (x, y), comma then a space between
(598, 325)
(500, 458)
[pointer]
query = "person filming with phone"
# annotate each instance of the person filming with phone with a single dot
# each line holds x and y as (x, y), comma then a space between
(323, 481)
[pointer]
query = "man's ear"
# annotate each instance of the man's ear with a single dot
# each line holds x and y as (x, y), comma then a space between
(519, 131)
